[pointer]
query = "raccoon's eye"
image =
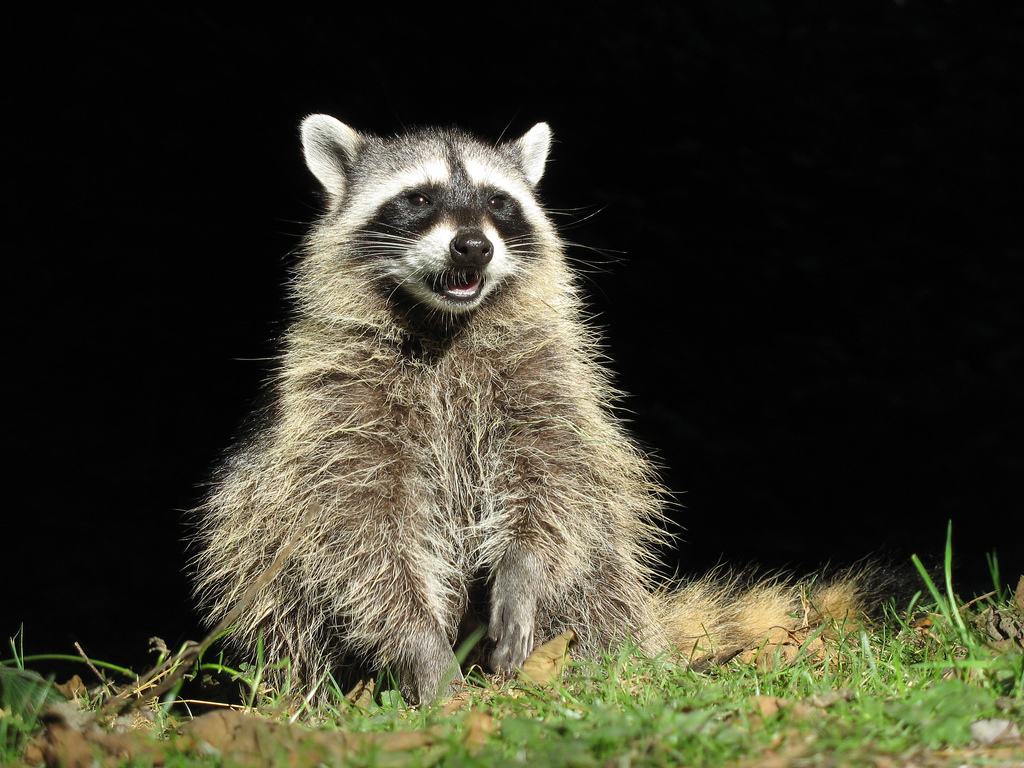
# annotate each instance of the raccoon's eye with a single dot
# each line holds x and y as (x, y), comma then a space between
(497, 201)
(417, 199)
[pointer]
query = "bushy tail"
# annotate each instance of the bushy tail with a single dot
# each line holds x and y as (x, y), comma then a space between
(724, 614)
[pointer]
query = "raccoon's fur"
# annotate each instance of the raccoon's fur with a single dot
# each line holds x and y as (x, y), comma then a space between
(442, 436)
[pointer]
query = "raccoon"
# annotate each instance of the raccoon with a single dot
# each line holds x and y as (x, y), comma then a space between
(442, 433)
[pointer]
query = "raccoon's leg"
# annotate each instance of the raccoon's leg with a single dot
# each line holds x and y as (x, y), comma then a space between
(516, 586)
(427, 669)
(401, 591)
(524, 545)
(563, 542)
(401, 611)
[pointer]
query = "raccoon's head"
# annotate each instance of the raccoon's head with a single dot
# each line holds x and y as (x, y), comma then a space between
(442, 219)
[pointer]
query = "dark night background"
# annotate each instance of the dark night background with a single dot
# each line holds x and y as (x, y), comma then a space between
(810, 265)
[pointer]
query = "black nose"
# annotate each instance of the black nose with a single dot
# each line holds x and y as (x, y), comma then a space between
(470, 248)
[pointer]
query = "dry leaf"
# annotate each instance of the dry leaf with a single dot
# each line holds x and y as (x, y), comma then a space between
(479, 725)
(825, 700)
(457, 702)
(545, 664)
(782, 646)
(921, 622)
(1006, 628)
(72, 739)
(251, 740)
(1018, 596)
(73, 687)
(238, 738)
(988, 732)
(769, 705)
(361, 694)
(801, 710)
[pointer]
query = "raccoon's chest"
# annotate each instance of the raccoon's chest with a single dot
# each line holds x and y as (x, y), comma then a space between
(454, 411)
(459, 418)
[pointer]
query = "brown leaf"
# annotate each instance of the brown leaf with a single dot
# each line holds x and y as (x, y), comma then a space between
(801, 710)
(361, 694)
(479, 726)
(457, 702)
(988, 732)
(238, 738)
(769, 705)
(782, 646)
(825, 700)
(1018, 596)
(1004, 627)
(73, 687)
(545, 664)
(72, 739)
(251, 740)
(921, 621)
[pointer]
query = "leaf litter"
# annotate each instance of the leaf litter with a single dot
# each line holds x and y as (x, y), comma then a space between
(123, 729)
(76, 738)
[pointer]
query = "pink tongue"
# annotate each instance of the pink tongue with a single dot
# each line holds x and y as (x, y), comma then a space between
(467, 287)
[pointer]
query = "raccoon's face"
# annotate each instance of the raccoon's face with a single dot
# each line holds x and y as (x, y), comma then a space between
(447, 242)
(443, 219)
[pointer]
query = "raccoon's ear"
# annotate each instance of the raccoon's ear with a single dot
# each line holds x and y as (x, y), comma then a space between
(330, 148)
(533, 148)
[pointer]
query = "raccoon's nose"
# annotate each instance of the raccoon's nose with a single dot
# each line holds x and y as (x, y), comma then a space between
(470, 248)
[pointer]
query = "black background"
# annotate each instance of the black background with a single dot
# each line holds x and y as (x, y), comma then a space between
(809, 263)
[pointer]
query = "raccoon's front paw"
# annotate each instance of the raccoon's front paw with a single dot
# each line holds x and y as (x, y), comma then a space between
(429, 671)
(512, 629)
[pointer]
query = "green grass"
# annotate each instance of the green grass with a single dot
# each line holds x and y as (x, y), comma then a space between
(897, 694)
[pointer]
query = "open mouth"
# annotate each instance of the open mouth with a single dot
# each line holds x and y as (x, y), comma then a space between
(459, 286)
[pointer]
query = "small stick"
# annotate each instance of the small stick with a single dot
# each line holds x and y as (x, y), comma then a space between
(103, 681)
